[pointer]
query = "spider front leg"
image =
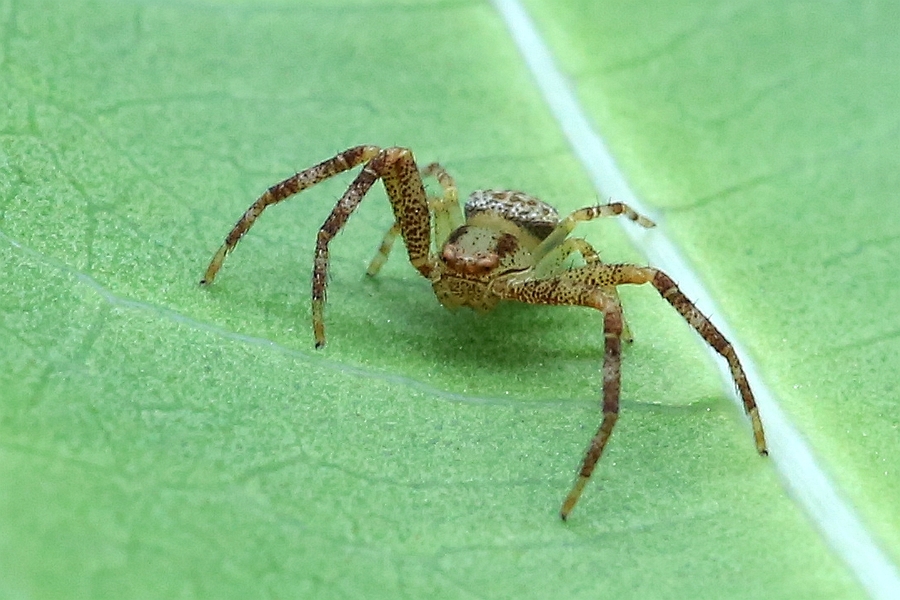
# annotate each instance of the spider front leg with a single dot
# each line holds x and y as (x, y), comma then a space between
(567, 289)
(397, 169)
(710, 333)
(554, 263)
(587, 286)
(447, 217)
(613, 325)
(344, 161)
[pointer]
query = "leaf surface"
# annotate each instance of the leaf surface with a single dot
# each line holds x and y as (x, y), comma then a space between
(162, 440)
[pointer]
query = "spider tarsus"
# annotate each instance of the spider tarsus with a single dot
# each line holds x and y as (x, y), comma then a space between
(758, 434)
(572, 499)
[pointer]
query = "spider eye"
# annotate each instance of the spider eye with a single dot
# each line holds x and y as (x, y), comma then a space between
(486, 263)
(448, 254)
(470, 264)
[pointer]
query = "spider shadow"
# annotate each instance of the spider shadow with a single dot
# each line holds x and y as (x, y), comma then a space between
(530, 345)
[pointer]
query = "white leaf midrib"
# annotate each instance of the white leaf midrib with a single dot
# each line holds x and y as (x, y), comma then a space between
(803, 476)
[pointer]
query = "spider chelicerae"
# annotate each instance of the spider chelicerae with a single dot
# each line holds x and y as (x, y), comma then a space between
(504, 245)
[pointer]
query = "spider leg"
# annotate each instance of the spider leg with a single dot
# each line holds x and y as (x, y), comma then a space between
(573, 288)
(383, 250)
(592, 257)
(387, 242)
(631, 274)
(709, 332)
(567, 225)
(448, 215)
(612, 376)
(397, 169)
(403, 184)
(398, 172)
(588, 286)
(344, 161)
(554, 263)
(587, 251)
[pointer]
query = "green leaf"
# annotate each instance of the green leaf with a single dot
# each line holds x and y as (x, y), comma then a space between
(162, 440)
(766, 135)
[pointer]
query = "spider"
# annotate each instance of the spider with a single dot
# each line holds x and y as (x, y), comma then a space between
(504, 245)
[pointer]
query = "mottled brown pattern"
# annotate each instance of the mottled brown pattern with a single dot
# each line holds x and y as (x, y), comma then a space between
(457, 234)
(611, 210)
(508, 246)
(709, 332)
(344, 161)
(444, 178)
(525, 211)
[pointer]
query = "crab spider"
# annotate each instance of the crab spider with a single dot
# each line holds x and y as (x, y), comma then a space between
(503, 245)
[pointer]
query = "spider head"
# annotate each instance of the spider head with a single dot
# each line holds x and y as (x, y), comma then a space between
(481, 253)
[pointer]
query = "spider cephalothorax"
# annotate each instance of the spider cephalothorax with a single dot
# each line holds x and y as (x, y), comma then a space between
(506, 246)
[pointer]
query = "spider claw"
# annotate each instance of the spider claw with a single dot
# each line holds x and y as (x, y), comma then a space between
(214, 265)
(572, 498)
(758, 435)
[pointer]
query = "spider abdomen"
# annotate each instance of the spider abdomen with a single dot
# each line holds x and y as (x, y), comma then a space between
(529, 213)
